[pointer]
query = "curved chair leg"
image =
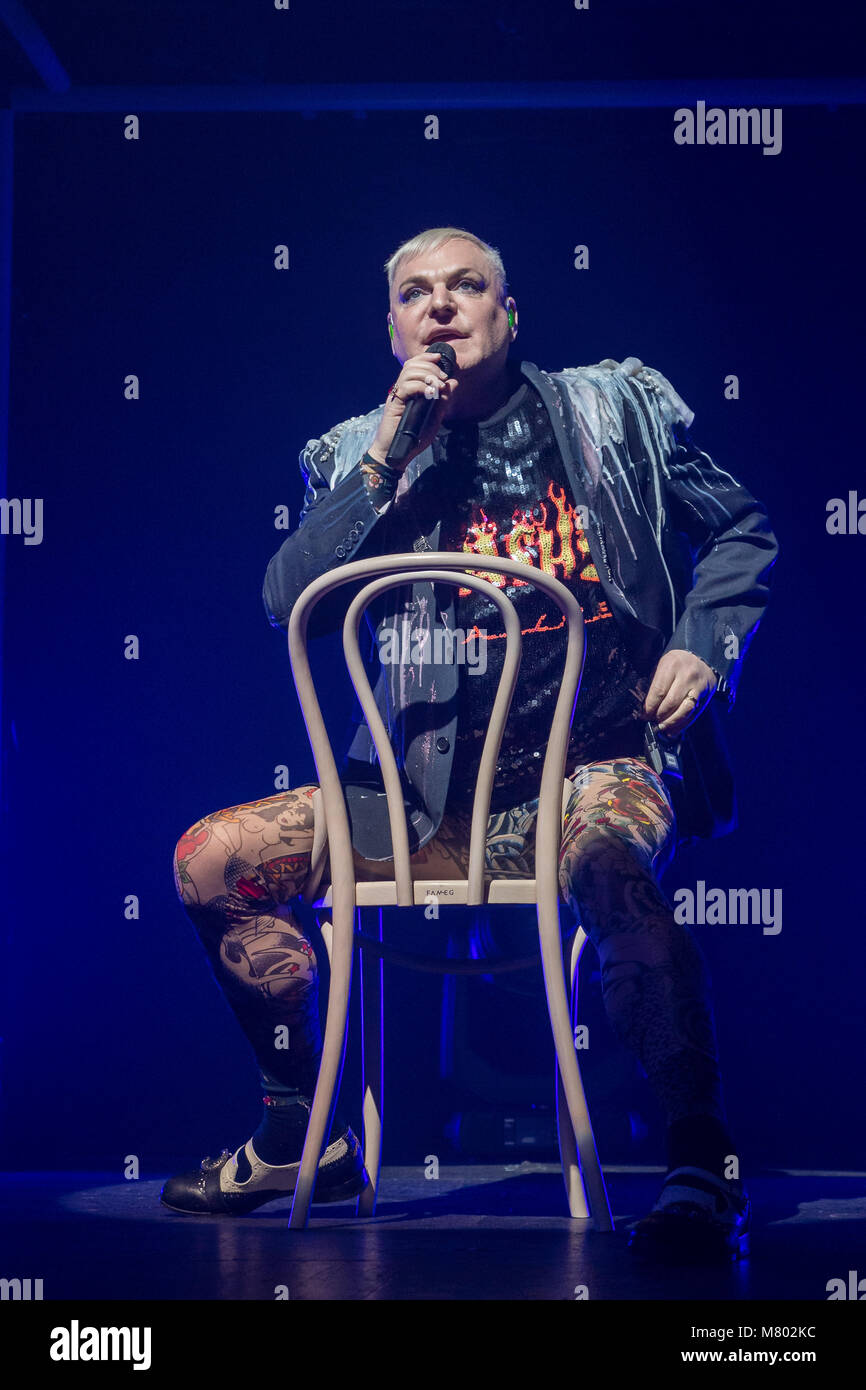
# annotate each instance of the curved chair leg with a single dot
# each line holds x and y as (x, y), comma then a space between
(575, 1190)
(571, 1174)
(372, 1071)
(340, 949)
(560, 1021)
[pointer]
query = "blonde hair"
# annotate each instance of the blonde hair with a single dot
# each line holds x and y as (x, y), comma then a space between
(435, 237)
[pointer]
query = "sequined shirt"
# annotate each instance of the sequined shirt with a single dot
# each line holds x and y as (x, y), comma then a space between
(508, 494)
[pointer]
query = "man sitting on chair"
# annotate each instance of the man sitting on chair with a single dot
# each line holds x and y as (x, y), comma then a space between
(590, 475)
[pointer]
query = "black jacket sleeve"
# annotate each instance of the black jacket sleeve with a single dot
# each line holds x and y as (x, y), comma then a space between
(733, 550)
(334, 526)
(716, 536)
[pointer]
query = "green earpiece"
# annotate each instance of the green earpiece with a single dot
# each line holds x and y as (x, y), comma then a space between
(510, 319)
(391, 331)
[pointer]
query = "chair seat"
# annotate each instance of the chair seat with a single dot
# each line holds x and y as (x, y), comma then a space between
(452, 892)
(383, 892)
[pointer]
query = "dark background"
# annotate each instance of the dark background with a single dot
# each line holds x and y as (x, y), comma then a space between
(155, 257)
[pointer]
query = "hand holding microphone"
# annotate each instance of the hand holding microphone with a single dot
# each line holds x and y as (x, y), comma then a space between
(416, 405)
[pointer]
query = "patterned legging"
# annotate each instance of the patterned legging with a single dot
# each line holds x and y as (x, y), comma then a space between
(238, 870)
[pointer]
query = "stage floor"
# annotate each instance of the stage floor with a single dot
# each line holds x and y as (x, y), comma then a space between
(474, 1233)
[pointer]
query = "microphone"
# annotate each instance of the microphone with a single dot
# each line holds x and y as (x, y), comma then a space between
(416, 416)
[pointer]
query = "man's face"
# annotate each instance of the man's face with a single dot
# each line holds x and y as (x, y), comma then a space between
(450, 294)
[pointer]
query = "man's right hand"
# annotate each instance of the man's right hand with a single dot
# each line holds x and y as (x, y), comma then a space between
(419, 375)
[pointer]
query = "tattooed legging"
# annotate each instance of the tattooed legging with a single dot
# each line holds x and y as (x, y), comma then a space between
(238, 870)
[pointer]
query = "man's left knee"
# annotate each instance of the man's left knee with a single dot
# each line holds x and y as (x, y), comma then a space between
(597, 843)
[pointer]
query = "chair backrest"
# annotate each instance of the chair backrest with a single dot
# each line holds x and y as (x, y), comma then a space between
(392, 571)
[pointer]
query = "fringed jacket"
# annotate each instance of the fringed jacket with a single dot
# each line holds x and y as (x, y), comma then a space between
(683, 553)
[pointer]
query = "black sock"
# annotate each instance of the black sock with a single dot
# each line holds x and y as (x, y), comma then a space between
(280, 1136)
(702, 1141)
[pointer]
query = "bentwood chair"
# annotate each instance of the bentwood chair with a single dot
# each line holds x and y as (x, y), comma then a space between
(345, 898)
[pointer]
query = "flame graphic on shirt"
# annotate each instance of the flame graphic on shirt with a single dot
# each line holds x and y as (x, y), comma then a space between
(557, 548)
